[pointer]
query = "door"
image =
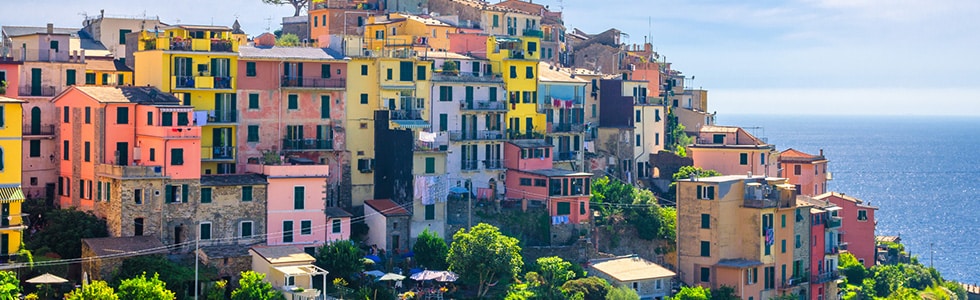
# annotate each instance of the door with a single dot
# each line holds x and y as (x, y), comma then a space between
(178, 234)
(138, 227)
(122, 153)
(4, 214)
(469, 96)
(36, 120)
(35, 82)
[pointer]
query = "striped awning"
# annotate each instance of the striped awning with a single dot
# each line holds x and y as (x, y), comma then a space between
(410, 124)
(11, 194)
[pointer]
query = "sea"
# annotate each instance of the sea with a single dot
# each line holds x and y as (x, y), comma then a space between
(922, 172)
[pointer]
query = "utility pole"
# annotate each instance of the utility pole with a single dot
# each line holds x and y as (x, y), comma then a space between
(197, 247)
(931, 254)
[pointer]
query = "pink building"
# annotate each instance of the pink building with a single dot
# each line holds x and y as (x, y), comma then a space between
(469, 42)
(825, 227)
(292, 105)
(532, 181)
(296, 204)
(857, 228)
(733, 151)
(807, 171)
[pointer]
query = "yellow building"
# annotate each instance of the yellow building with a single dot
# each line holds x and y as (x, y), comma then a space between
(109, 72)
(396, 30)
(11, 195)
(511, 22)
(198, 64)
(515, 59)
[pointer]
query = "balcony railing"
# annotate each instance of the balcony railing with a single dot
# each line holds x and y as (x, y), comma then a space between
(564, 156)
(482, 135)
(41, 130)
(493, 164)
(484, 106)
(421, 146)
(795, 281)
(308, 82)
(118, 171)
(567, 128)
(222, 82)
(181, 44)
(36, 91)
(223, 117)
(825, 277)
(831, 250)
(400, 114)
(760, 203)
(12, 222)
(833, 222)
(41, 55)
(533, 33)
(307, 144)
(218, 153)
(469, 165)
(202, 82)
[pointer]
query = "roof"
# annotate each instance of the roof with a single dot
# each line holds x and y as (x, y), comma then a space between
(442, 54)
(200, 27)
(233, 180)
(551, 73)
(631, 268)
(719, 129)
(14, 31)
(10, 100)
(793, 155)
(282, 254)
(888, 238)
(425, 20)
(738, 263)
(556, 172)
(387, 207)
(530, 143)
(119, 245)
(841, 196)
(11, 193)
(337, 212)
(725, 178)
(523, 6)
(106, 65)
(287, 53)
(127, 94)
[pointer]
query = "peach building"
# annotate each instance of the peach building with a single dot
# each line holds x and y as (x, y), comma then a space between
(807, 171)
(857, 228)
(733, 151)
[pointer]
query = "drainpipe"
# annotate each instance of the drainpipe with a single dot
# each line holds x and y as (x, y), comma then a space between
(282, 63)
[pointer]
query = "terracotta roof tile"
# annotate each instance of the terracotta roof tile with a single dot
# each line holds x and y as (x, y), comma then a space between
(387, 207)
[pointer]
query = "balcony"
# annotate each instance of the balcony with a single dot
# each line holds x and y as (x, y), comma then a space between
(566, 156)
(566, 128)
(493, 164)
(482, 135)
(223, 117)
(760, 203)
(469, 165)
(38, 131)
(312, 83)
(498, 106)
(41, 55)
(421, 146)
(533, 33)
(117, 171)
(36, 91)
(168, 132)
(833, 222)
(217, 153)
(189, 44)
(400, 114)
(307, 144)
(796, 281)
(842, 246)
(202, 82)
(831, 250)
(825, 277)
(12, 222)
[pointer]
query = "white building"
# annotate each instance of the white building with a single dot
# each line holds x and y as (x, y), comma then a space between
(651, 281)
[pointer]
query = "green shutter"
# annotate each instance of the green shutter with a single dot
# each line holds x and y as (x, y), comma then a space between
(253, 133)
(168, 193)
(405, 71)
(324, 106)
(305, 227)
(184, 190)
(299, 197)
(493, 94)
(90, 78)
(287, 231)
(205, 195)
(430, 165)
(421, 72)
(364, 98)
(246, 193)
(166, 118)
(711, 193)
(564, 208)
(700, 194)
(182, 119)
(122, 35)
(325, 71)
(70, 77)
(253, 101)
(246, 229)
(205, 231)
(430, 212)
(122, 115)
(443, 122)
(293, 101)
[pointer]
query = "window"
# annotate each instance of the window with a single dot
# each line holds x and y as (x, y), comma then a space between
(513, 71)
(797, 242)
(153, 154)
(245, 229)
(564, 208)
(762, 158)
(529, 72)
(862, 215)
(305, 227)
(253, 133)
(88, 115)
(316, 21)
(430, 165)
(138, 226)
(137, 194)
(705, 248)
(65, 150)
(70, 77)
(88, 152)
(751, 276)
(246, 193)
(782, 246)
(743, 158)
(299, 197)
(525, 181)
(705, 274)
(430, 212)
(496, 21)
(445, 93)
(176, 157)
(581, 208)
(253, 101)
(443, 122)
(90, 78)
(122, 35)
(364, 70)
(797, 170)
(706, 192)
(364, 98)
(389, 74)
(205, 195)
(420, 72)
(706, 221)
(166, 118)
(35, 148)
(122, 115)
(324, 106)
(637, 117)
(250, 69)
(65, 115)
(540, 183)
(639, 140)
(205, 231)
(182, 119)
(287, 231)
(770, 278)
(293, 101)
(782, 221)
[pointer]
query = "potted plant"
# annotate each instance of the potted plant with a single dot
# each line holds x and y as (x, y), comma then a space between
(3, 87)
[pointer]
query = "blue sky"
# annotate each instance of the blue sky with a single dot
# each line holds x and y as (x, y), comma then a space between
(894, 57)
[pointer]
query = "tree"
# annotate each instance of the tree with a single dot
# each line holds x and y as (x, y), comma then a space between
(178, 277)
(483, 256)
(668, 230)
(96, 290)
(298, 5)
(288, 40)
(342, 258)
(852, 269)
(217, 290)
(693, 293)
(888, 279)
(605, 191)
(645, 215)
(622, 293)
(9, 285)
(551, 273)
(676, 139)
(591, 288)
(251, 287)
(3, 87)
(431, 250)
(685, 172)
(63, 230)
(724, 293)
(140, 287)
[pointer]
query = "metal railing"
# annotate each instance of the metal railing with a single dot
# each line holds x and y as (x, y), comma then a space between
(469, 165)
(184, 81)
(833, 222)
(222, 82)
(218, 153)
(493, 164)
(38, 130)
(567, 155)
(400, 114)
(831, 250)
(307, 144)
(567, 128)
(533, 33)
(760, 203)
(223, 116)
(308, 82)
(484, 105)
(421, 146)
(482, 135)
(825, 277)
(36, 91)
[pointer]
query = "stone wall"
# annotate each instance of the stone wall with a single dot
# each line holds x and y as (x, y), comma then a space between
(467, 11)
(227, 211)
(625, 241)
(578, 253)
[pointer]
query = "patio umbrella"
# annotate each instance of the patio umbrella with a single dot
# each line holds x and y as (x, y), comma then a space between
(426, 275)
(47, 278)
(447, 276)
(373, 258)
(458, 190)
(374, 273)
(391, 277)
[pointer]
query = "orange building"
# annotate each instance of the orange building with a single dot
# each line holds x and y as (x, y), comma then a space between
(532, 182)
(807, 171)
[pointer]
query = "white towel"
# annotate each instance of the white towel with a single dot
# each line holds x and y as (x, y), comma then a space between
(201, 117)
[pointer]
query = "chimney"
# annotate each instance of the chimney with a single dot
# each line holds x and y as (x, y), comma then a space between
(821, 152)
(749, 174)
(50, 28)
